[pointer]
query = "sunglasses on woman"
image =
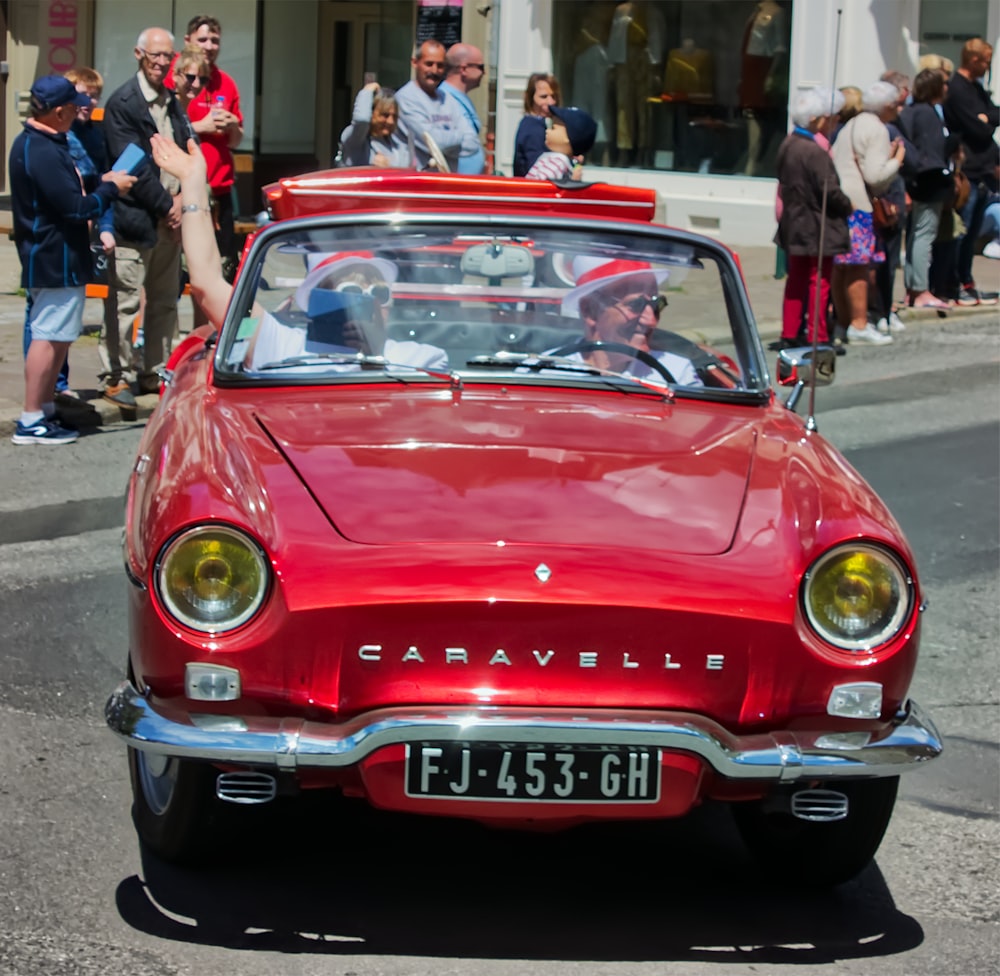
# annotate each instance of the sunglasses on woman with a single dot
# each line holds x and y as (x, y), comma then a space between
(191, 79)
(378, 291)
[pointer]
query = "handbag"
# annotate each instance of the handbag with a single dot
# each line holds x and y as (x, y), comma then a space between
(885, 213)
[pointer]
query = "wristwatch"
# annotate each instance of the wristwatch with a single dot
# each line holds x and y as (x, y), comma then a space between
(194, 208)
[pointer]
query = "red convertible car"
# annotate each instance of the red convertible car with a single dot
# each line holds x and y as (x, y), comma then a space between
(481, 503)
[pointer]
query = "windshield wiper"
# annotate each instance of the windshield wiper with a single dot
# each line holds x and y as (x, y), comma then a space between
(539, 362)
(360, 359)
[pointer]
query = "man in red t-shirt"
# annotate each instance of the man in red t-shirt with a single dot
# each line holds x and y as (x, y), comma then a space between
(216, 118)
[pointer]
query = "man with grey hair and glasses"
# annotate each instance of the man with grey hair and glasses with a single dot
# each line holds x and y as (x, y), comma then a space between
(147, 222)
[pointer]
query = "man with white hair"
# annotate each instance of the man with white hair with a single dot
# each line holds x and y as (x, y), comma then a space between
(148, 220)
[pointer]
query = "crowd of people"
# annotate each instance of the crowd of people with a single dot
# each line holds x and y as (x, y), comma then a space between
(863, 171)
(860, 172)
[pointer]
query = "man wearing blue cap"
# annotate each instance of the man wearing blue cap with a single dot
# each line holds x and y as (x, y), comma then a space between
(51, 214)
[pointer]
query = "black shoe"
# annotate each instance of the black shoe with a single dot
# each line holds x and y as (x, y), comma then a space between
(968, 296)
(782, 343)
(989, 298)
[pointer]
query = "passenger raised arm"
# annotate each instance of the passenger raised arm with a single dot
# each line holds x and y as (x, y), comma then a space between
(208, 285)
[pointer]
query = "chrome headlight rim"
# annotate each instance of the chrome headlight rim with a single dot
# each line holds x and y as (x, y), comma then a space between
(173, 545)
(893, 623)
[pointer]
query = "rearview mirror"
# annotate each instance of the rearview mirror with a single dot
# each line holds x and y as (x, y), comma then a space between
(496, 261)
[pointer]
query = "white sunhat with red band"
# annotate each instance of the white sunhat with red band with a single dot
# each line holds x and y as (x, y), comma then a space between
(324, 265)
(593, 273)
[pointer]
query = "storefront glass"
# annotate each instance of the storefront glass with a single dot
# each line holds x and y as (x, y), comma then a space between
(678, 85)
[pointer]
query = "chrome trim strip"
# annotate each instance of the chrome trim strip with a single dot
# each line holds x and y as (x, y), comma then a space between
(292, 743)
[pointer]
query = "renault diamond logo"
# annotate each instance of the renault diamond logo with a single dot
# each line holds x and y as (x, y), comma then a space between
(542, 573)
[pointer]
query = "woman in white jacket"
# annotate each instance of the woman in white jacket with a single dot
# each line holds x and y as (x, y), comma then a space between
(866, 162)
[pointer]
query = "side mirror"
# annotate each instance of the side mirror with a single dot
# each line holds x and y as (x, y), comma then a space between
(795, 365)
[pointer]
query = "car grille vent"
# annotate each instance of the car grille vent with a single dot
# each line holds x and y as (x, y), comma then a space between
(820, 805)
(246, 787)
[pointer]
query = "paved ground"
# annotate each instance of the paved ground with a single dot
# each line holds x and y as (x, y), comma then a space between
(758, 267)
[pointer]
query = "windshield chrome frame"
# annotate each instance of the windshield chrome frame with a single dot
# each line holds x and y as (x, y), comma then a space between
(752, 356)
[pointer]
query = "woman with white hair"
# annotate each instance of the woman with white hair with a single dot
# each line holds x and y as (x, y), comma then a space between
(867, 162)
(805, 171)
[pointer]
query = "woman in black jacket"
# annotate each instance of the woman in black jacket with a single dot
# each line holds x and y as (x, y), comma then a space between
(804, 169)
(929, 181)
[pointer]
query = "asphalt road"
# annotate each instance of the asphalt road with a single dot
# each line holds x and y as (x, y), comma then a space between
(330, 888)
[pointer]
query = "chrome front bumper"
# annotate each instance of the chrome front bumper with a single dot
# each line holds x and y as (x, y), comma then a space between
(292, 743)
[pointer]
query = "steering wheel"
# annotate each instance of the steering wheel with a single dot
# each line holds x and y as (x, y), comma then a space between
(644, 357)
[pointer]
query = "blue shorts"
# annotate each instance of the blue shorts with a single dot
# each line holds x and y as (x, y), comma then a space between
(57, 313)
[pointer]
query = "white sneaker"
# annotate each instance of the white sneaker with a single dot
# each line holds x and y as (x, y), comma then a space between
(868, 334)
(992, 249)
(895, 323)
(882, 325)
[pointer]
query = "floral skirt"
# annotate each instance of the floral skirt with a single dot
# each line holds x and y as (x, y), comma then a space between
(865, 245)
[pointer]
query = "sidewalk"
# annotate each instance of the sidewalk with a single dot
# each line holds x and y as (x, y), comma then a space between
(758, 269)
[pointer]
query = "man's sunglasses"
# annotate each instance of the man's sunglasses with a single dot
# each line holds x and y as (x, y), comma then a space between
(191, 79)
(637, 305)
(380, 292)
(469, 64)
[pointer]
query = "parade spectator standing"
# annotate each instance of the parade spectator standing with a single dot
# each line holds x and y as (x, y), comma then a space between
(881, 301)
(372, 138)
(806, 175)
(970, 113)
(569, 136)
(218, 122)
(930, 182)
(90, 156)
(147, 222)
(866, 163)
(428, 119)
(541, 93)
(51, 231)
(190, 76)
(464, 72)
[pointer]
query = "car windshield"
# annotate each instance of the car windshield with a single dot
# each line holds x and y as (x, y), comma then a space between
(572, 303)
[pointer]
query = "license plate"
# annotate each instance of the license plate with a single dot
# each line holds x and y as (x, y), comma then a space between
(551, 774)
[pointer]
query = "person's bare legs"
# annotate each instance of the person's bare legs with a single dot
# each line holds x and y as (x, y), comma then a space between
(41, 367)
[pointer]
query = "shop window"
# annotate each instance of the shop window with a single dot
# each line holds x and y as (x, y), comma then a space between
(675, 85)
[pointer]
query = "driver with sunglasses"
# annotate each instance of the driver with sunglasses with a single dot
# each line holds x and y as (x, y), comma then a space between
(343, 297)
(620, 303)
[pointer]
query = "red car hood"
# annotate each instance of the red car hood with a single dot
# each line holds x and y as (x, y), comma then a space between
(413, 467)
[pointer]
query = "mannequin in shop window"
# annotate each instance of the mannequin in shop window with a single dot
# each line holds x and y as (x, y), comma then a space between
(764, 82)
(590, 82)
(689, 84)
(635, 51)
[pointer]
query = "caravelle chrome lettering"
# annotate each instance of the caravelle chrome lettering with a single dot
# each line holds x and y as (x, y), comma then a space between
(376, 653)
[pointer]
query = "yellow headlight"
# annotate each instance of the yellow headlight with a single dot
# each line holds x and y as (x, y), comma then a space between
(212, 578)
(857, 596)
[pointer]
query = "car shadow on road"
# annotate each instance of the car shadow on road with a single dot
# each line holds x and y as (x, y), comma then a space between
(335, 877)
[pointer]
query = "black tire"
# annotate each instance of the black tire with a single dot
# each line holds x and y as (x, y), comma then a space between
(817, 854)
(173, 804)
